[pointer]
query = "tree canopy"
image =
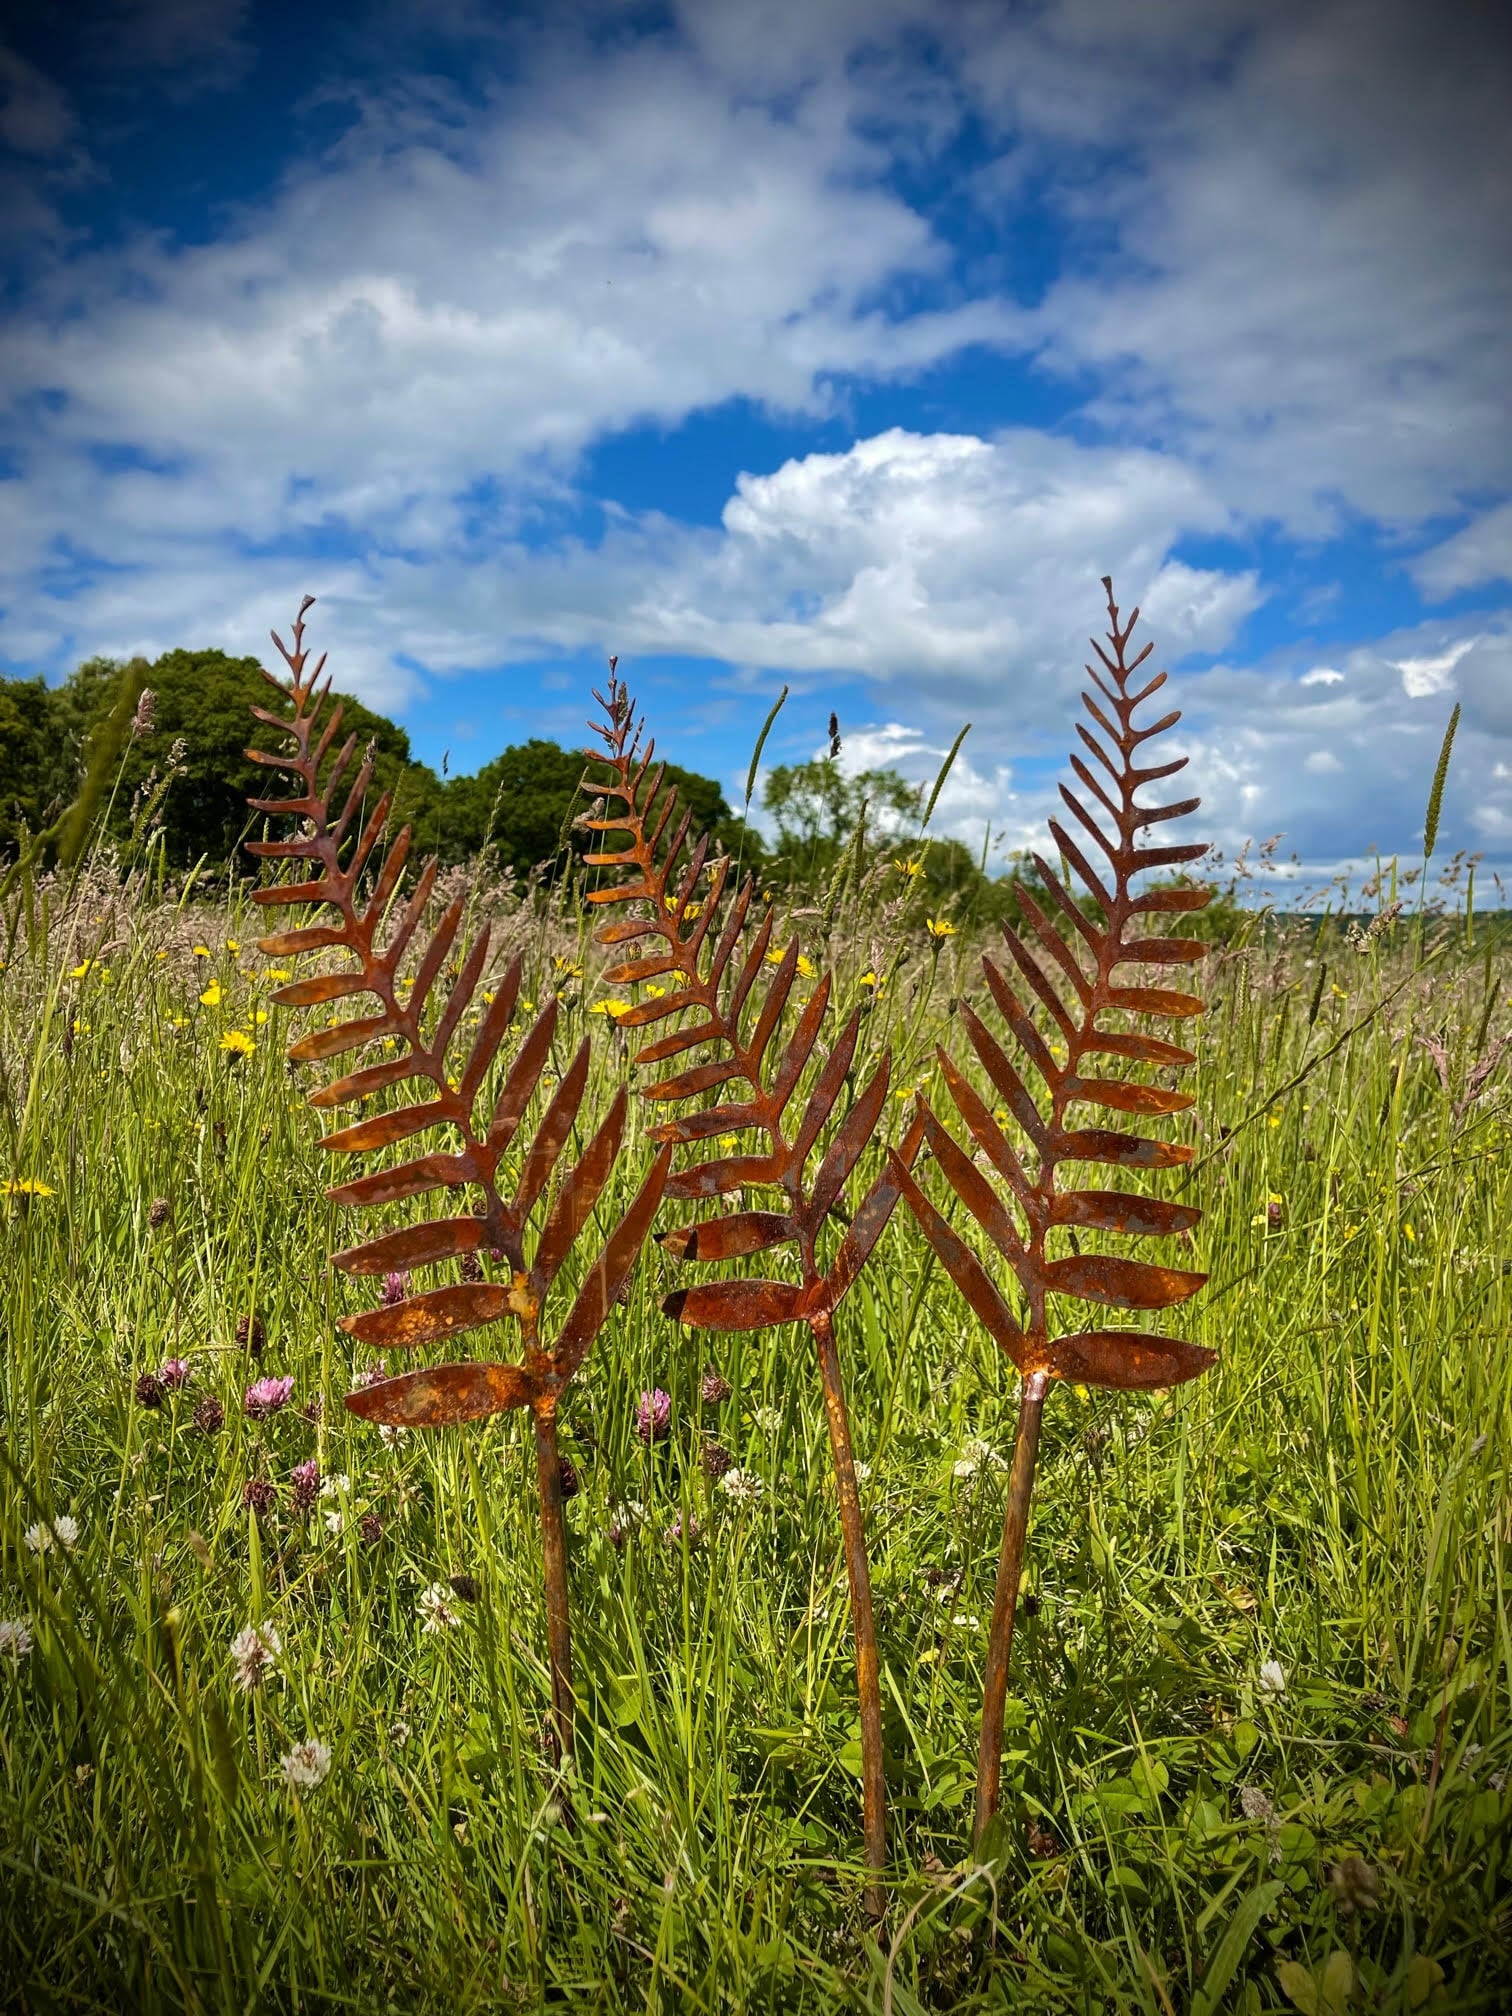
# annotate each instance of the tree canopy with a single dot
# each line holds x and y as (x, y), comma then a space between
(522, 803)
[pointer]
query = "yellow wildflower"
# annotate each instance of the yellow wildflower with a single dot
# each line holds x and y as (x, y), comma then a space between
(261, 1016)
(910, 868)
(568, 968)
(26, 1186)
(211, 998)
(1274, 1120)
(202, 951)
(489, 997)
(237, 1043)
(729, 1141)
(614, 1008)
(78, 972)
(874, 981)
(939, 927)
(276, 973)
(233, 944)
(655, 993)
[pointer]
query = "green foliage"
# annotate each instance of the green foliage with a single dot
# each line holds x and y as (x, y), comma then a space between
(1182, 1829)
(28, 766)
(522, 802)
(817, 806)
(527, 797)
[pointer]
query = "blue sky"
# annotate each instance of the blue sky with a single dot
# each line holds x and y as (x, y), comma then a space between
(841, 344)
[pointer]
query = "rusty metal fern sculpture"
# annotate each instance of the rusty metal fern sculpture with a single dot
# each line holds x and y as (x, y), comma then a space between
(1067, 980)
(510, 1169)
(735, 995)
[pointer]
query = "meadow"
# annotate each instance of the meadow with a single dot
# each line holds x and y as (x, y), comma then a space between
(1258, 1726)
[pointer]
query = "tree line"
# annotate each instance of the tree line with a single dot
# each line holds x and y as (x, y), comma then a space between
(185, 776)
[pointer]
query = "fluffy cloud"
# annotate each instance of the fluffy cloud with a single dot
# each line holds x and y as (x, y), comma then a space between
(1284, 281)
(1313, 265)
(1481, 553)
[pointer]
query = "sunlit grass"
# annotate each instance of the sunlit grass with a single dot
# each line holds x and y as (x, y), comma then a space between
(1258, 1730)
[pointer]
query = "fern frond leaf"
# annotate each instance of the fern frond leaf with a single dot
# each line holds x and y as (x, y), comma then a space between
(1123, 1211)
(425, 1319)
(986, 1132)
(444, 1395)
(734, 1305)
(1129, 1361)
(408, 1179)
(425, 1245)
(601, 1290)
(551, 1136)
(975, 1192)
(732, 1237)
(1120, 1283)
(576, 1196)
(963, 1267)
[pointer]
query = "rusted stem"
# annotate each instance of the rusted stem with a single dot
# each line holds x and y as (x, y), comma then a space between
(1005, 1602)
(554, 1552)
(863, 1622)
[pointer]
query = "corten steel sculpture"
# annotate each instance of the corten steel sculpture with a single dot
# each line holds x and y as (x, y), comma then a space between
(1084, 1012)
(699, 932)
(454, 1392)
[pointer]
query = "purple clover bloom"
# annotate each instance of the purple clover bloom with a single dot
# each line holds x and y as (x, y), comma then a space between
(395, 1287)
(266, 1396)
(653, 1416)
(174, 1374)
(260, 1496)
(306, 1482)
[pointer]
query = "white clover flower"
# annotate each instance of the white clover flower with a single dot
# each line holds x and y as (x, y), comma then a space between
(863, 1472)
(436, 1608)
(305, 1766)
(391, 1436)
(976, 1455)
(964, 1621)
(744, 1486)
(768, 1419)
(253, 1651)
(333, 1522)
(15, 1639)
(335, 1486)
(1272, 1677)
(46, 1534)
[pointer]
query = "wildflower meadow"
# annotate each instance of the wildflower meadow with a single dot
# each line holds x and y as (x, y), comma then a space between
(275, 1699)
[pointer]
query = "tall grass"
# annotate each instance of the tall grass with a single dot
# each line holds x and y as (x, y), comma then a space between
(1259, 1729)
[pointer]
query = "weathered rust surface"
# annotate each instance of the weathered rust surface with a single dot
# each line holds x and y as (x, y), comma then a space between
(1065, 964)
(1056, 1008)
(338, 850)
(727, 990)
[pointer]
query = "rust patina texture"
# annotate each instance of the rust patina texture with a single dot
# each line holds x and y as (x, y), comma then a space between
(509, 1169)
(727, 997)
(1070, 980)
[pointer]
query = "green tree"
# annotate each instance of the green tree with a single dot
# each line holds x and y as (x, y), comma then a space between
(529, 794)
(29, 768)
(817, 805)
(203, 698)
